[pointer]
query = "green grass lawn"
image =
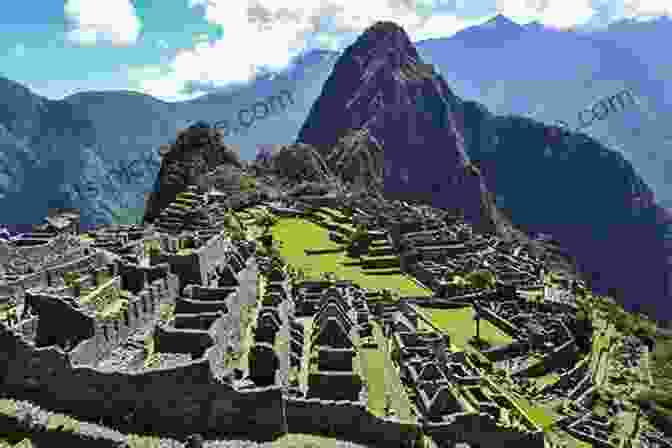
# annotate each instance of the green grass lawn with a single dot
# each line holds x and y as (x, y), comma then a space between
(294, 440)
(375, 376)
(297, 235)
(546, 379)
(537, 414)
(460, 325)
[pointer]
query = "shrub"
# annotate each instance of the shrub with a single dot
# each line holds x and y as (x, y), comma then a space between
(247, 183)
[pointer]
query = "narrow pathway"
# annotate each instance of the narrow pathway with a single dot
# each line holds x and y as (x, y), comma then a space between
(247, 339)
(393, 386)
(305, 361)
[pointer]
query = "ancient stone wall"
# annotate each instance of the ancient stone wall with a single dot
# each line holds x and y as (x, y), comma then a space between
(185, 399)
(502, 352)
(86, 353)
(213, 253)
(142, 310)
(186, 267)
(501, 323)
(59, 321)
(27, 328)
(480, 430)
(171, 340)
(200, 306)
(42, 278)
(326, 417)
(563, 356)
(17, 430)
(197, 321)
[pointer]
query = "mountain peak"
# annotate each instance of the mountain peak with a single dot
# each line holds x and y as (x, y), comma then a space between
(493, 32)
(388, 34)
(385, 27)
(501, 21)
(378, 99)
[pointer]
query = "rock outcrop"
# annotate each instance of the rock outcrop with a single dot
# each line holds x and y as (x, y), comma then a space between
(383, 109)
(195, 158)
(301, 162)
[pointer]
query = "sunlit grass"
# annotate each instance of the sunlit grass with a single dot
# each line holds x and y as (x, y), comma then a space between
(460, 325)
(297, 235)
(374, 367)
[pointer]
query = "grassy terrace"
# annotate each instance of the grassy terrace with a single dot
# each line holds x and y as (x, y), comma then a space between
(297, 235)
(374, 372)
(383, 380)
(461, 327)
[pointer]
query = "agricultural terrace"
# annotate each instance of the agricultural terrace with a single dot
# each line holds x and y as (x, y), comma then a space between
(298, 235)
(459, 323)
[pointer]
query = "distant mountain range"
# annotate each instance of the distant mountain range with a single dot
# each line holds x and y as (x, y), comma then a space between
(551, 75)
(71, 145)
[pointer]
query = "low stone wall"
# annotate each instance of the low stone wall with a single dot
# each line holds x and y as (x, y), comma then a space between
(480, 430)
(27, 328)
(198, 292)
(194, 342)
(501, 323)
(16, 430)
(42, 278)
(86, 353)
(143, 309)
(562, 356)
(502, 352)
(452, 304)
(197, 321)
(189, 306)
(337, 419)
(213, 253)
(186, 267)
(60, 320)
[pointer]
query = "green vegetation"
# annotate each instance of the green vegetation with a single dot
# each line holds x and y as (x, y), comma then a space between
(374, 369)
(166, 311)
(294, 440)
(71, 278)
(247, 183)
(661, 371)
(459, 323)
(296, 235)
(537, 414)
(481, 279)
(265, 220)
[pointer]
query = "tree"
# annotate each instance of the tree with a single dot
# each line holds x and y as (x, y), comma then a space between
(482, 279)
(247, 183)
(266, 220)
(358, 241)
(457, 281)
(477, 318)
(70, 278)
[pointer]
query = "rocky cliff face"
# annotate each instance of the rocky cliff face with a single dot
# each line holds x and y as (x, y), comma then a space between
(588, 197)
(46, 149)
(385, 118)
(194, 158)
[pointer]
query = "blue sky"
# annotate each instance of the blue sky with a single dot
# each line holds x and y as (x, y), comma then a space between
(59, 47)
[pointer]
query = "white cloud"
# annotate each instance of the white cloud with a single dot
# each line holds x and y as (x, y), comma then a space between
(89, 22)
(271, 32)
